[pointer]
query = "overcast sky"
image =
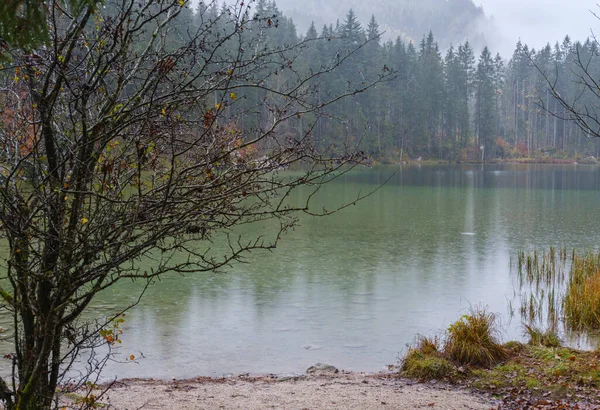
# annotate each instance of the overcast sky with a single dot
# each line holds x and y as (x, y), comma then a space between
(538, 21)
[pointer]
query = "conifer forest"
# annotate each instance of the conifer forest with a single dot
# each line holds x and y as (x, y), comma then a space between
(458, 103)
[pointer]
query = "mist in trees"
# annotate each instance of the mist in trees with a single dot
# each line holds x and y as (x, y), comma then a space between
(459, 102)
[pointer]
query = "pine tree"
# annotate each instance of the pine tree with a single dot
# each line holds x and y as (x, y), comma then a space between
(431, 90)
(351, 30)
(373, 33)
(311, 34)
(485, 105)
(23, 23)
(373, 102)
(451, 96)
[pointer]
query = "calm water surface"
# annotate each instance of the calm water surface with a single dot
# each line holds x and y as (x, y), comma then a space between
(354, 288)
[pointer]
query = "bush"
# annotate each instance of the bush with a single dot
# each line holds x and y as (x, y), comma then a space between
(473, 340)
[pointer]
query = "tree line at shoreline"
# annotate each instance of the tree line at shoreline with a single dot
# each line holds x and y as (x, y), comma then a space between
(457, 104)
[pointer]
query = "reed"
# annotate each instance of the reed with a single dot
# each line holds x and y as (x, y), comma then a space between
(541, 285)
(560, 287)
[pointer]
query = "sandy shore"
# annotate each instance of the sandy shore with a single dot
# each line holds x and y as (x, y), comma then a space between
(341, 391)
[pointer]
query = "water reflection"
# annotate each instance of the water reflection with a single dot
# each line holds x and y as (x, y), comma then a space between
(354, 288)
(512, 176)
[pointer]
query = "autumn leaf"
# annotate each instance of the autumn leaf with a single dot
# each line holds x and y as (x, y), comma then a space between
(209, 117)
(84, 221)
(232, 96)
(131, 357)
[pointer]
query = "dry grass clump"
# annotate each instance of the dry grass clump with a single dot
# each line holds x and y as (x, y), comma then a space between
(427, 345)
(582, 299)
(424, 361)
(473, 340)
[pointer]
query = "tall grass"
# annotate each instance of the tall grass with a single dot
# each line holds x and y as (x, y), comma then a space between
(582, 299)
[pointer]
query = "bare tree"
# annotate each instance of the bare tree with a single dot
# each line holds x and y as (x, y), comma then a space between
(121, 140)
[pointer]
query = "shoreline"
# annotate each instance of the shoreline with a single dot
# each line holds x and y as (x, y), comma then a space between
(510, 161)
(343, 390)
(522, 161)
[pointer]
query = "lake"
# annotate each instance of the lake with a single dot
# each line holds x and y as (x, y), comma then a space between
(355, 288)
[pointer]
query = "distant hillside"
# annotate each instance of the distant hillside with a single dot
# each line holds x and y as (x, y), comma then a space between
(452, 21)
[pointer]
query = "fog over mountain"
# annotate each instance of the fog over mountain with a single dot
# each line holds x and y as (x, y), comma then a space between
(452, 21)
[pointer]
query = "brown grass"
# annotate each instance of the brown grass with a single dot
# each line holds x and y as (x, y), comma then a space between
(582, 299)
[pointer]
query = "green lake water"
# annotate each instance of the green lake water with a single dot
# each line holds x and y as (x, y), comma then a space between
(354, 288)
